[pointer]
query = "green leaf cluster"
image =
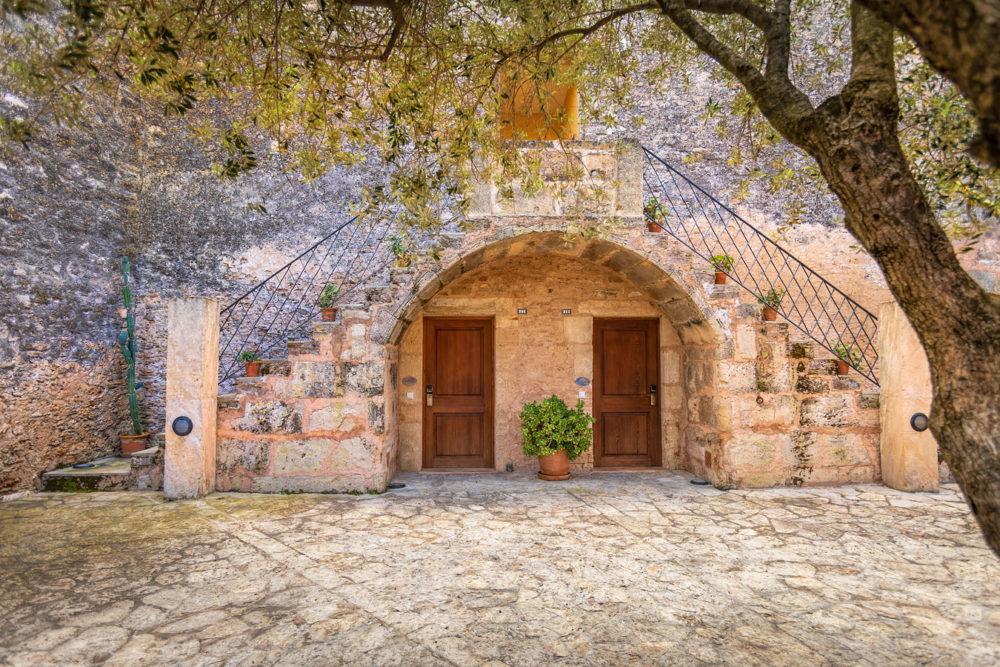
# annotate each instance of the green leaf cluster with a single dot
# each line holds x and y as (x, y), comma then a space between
(329, 295)
(249, 356)
(773, 297)
(722, 262)
(847, 352)
(549, 426)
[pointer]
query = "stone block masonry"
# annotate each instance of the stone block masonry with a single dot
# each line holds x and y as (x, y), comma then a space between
(316, 424)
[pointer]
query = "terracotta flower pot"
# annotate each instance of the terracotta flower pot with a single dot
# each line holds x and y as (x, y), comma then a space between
(253, 369)
(770, 314)
(328, 314)
(842, 367)
(132, 444)
(653, 227)
(554, 467)
(720, 278)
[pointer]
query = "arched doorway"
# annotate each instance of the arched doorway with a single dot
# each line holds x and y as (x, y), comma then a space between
(584, 320)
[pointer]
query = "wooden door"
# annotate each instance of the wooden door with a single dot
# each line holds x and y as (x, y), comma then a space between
(458, 380)
(626, 400)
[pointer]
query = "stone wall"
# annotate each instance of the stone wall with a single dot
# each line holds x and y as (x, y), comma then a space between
(540, 353)
(316, 422)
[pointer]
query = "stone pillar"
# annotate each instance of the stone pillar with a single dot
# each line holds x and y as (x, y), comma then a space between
(192, 391)
(909, 458)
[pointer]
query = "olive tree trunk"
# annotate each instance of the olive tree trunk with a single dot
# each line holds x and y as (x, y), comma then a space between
(853, 137)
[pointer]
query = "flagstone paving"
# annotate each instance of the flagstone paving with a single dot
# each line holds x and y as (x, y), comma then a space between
(500, 569)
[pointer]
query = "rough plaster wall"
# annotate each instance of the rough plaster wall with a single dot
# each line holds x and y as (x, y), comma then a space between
(69, 207)
(541, 353)
(61, 209)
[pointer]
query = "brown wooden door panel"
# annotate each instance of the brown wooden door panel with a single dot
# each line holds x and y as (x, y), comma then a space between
(458, 366)
(624, 434)
(626, 365)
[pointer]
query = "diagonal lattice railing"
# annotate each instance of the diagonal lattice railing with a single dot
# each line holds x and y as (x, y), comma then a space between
(284, 305)
(709, 228)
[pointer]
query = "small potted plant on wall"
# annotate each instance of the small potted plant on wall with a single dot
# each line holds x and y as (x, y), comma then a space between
(771, 300)
(653, 213)
(723, 264)
(126, 343)
(328, 302)
(251, 362)
(848, 356)
(555, 434)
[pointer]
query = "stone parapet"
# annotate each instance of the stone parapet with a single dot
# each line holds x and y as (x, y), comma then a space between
(570, 179)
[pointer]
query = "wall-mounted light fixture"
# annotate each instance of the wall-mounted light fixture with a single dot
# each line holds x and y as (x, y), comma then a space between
(182, 426)
(919, 422)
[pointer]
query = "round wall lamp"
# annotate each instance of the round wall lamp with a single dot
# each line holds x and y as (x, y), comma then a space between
(182, 426)
(919, 422)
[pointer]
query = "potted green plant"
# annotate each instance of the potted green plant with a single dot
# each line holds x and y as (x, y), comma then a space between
(327, 302)
(251, 361)
(398, 247)
(555, 434)
(848, 356)
(723, 264)
(771, 300)
(653, 213)
(126, 343)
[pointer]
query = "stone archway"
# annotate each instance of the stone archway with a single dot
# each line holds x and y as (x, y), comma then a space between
(542, 351)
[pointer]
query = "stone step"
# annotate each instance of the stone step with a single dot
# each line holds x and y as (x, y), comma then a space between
(720, 292)
(305, 347)
(251, 386)
(229, 401)
(108, 474)
(275, 367)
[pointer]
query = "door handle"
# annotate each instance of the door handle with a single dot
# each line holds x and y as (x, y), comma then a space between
(652, 394)
(430, 395)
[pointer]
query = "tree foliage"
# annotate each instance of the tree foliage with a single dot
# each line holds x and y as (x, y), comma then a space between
(419, 85)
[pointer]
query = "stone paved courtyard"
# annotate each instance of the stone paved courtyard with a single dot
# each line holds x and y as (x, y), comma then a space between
(501, 569)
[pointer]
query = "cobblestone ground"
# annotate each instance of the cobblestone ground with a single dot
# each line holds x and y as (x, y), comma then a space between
(463, 569)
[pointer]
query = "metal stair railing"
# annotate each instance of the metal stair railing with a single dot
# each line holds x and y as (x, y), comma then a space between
(810, 303)
(284, 304)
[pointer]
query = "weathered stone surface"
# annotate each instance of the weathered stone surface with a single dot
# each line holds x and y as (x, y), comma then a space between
(833, 410)
(311, 379)
(310, 484)
(376, 417)
(298, 456)
(353, 453)
(843, 575)
(366, 379)
(810, 384)
(338, 416)
(250, 455)
(270, 417)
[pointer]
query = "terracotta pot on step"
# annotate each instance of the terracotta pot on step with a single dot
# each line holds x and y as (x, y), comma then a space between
(653, 227)
(770, 314)
(720, 278)
(328, 314)
(842, 367)
(554, 467)
(253, 369)
(132, 444)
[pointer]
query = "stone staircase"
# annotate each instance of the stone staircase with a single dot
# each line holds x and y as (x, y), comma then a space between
(143, 471)
(311, 421)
